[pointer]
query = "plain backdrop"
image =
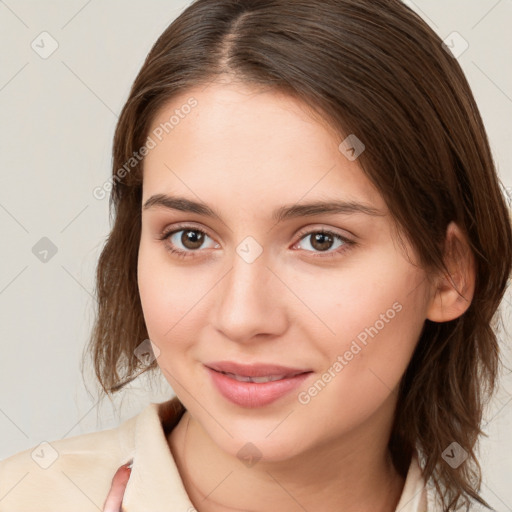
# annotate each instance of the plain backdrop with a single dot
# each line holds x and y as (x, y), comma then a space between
(58, 114)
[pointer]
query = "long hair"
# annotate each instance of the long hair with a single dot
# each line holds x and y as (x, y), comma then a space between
(372, 68)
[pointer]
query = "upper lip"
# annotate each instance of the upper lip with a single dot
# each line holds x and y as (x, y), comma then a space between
(255, 369)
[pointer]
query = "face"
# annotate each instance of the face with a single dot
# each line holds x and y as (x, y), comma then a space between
(326, 292)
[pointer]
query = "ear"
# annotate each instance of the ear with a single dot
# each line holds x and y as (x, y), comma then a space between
(446, 303)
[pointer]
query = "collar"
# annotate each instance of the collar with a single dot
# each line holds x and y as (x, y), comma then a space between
(155, 480)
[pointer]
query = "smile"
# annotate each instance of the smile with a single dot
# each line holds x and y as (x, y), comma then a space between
(255, 391)
(243, 378)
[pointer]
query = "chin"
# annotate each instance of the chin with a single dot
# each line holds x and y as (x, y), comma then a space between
(267, 439)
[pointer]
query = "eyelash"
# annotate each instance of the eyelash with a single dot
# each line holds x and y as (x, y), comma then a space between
(163, 237)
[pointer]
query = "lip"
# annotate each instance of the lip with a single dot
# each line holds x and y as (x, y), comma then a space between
(257, 394)
(255, 369)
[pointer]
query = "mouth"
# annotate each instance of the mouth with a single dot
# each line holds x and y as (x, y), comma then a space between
(259, 380)
(252, 386)
(255, 370)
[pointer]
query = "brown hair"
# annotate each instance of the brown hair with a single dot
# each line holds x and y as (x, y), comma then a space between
(371, 68)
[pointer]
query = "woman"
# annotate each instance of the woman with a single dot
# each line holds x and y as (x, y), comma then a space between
(311, 244)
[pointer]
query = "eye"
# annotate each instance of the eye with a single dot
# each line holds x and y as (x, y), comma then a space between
(322, 240)
(184, 241)
(185, 244)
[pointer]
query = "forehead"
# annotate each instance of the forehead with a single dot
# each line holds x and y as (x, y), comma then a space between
(256, 143)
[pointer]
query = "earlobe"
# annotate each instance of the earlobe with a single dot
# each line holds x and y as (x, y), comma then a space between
(452, 295)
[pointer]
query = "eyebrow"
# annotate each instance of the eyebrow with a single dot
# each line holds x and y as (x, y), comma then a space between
(280, 214)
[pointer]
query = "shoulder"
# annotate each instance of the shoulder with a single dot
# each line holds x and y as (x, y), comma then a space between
(419, 495)
(66, 474)
(435, 503)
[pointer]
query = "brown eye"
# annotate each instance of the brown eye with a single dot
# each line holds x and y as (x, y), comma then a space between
(321, 241)
(186, 241)
(192, 238)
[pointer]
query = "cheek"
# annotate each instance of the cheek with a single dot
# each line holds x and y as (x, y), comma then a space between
(375, 311)
(378, 323)
(154, 294)
(166, 301)
(375, 298)
(172, 298)
(377, 320)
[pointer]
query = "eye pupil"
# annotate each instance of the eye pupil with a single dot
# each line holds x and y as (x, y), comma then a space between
(322, 241)
(192, 239)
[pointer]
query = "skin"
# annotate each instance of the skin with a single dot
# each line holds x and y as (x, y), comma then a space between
(246, 152)
(114, 498)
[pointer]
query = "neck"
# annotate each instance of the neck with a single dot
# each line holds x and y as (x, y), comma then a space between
(355, 472)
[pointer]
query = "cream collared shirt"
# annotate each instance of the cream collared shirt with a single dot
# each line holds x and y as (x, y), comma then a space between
(75, 474)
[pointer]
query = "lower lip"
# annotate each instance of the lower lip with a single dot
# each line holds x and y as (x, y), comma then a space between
(254, 394)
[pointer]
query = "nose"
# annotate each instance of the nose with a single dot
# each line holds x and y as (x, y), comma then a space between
(251, 300)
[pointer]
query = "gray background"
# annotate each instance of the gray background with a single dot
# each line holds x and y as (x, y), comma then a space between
(58, 115)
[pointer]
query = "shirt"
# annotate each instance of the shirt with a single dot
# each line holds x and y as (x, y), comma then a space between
(76, 473)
